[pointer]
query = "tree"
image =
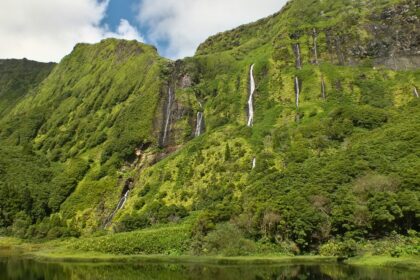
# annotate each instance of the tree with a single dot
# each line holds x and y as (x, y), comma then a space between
(384, 211)
(21, 224)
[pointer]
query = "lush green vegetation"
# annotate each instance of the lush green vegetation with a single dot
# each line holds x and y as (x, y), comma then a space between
(18, 78)
(337, 176)
(78, 126)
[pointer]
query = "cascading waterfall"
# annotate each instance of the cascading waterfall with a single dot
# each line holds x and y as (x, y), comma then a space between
(298, 56)
(254, 163)
(120, 205)
(199, 125)
(297, 92)
(416, 93)
(323, 88)
(251, 96)
(168, 115)
(315, 37)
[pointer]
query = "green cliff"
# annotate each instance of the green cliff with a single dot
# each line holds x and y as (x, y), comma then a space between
(117, 139)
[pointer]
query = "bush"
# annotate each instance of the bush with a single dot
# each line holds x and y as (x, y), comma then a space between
(228, 240)
(346, 248)
(173, 240)
(157, 212)
(21, 224)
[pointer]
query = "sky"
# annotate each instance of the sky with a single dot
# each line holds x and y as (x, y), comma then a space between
(47, 30)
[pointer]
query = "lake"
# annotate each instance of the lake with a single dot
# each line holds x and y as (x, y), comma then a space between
(15, 267)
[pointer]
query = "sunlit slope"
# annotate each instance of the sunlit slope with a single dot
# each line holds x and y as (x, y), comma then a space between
(332, 151)
(97, 105)
(357, 111)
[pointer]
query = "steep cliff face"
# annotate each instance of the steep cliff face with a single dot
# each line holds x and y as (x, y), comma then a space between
(343, 32)
(92, 98)
(178, 103)
(97, 106)
(327, 53)
(333, 100)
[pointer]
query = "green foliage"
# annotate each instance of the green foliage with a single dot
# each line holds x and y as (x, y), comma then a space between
(226, 239)
(24, 179)
(18, 78)
(154, 213)
(346, 248)
(394, 245)
(340, 169)
(84, 114)
(168, 240)
(21, 224)
(227, 152)
(65, 182)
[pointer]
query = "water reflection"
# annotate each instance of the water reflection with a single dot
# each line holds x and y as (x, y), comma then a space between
(14, 267)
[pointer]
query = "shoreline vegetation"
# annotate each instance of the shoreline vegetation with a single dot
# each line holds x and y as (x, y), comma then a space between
(291, 140)
(50, 252)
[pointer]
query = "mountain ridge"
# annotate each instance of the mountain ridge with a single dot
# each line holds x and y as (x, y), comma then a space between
(115, 125)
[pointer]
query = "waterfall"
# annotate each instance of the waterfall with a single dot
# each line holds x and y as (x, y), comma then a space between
(251, 95)
(298, 56)
(198, 128)
(122, 201)
(120, 205)
(297, 92)
(254, 163)
(323, 88)
(315, 37)
(416, 93)
(168, 115)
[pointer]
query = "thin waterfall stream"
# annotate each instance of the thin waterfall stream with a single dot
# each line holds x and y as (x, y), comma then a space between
(168, 115)
(298, 56)
(120, 205)
(416, 93)
(199, 125)
(251, 96)
(297, 92)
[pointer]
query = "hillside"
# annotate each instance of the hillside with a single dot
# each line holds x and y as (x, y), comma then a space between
(18, 78)
(283, 135)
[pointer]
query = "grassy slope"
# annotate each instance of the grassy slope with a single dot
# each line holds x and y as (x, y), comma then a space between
(299, 164)
(87, 111)
(199, 177)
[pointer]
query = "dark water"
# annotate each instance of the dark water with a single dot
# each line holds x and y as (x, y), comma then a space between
(15, 267)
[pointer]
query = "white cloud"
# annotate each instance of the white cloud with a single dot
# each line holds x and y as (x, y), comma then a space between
(46, 30)
(126, 31)
(184, 24)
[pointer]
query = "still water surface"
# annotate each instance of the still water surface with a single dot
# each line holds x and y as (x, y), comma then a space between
(16, 267)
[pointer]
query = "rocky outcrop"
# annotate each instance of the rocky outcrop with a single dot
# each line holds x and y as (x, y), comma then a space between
(176, 121)
(389, 38)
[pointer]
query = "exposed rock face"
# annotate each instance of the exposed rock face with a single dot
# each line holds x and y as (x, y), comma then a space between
(397, 36)
(390, 38)
(177, 120)
(186, 81)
